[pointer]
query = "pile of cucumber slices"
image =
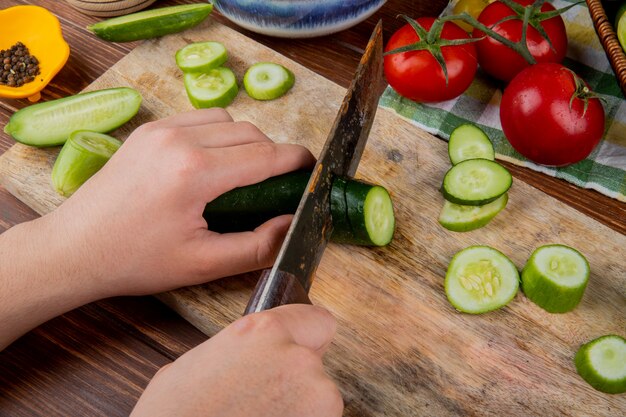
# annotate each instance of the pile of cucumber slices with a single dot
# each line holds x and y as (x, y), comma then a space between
(210, 84)
(476, 186)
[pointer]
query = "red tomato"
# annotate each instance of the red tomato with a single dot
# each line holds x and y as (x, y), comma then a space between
(538, 121)
(417, 75)
(502, 62)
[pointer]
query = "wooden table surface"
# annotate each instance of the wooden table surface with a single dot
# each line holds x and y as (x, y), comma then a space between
(97, 360)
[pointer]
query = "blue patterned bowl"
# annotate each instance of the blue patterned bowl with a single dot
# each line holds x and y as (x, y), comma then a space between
(297, 18)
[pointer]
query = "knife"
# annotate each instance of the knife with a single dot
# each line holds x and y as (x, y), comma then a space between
(290, 279)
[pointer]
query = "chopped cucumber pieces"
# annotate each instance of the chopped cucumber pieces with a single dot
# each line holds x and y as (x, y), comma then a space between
(468, 141)
(602, 363)
(201, 56)
(476, 182)
(555, 278)
(151, 23)
(267, 81)
(50, 123)
(480, 279)
(214, 88)
(83, 155)
(460, 218)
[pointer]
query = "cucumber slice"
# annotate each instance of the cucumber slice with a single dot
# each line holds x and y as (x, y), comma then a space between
(214, 88)
(555, 278)
(480, 279)
(468, 141)
(151, 23)
(459, 218)
(83, 155)
(50, 123)
(476, 182)
(602, 363)
(370, 213)
(201, 56)
(267, 81)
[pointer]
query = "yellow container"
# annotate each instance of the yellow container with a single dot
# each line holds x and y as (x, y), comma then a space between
(40, 31)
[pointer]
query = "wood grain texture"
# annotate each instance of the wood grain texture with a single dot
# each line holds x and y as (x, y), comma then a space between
(401, 348)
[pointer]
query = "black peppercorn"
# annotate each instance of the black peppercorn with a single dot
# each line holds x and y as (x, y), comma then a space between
(17, 66)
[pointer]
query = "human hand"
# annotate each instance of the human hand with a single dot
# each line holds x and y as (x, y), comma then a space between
(139, 220)
(264, 365)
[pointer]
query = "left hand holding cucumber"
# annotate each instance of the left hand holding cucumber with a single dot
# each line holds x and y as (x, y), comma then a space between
(146, 203)
(136, 227)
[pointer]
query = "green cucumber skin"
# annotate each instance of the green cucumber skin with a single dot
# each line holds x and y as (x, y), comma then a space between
(152, 27)
(246, 208)
(18, 126)
(546, 293)
(342, 231)
(586, 371)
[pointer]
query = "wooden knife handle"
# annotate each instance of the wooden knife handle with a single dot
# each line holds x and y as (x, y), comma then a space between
(285, 289)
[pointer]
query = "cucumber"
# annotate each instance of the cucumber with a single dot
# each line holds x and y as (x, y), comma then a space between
(555, 278)
(480, 279)
(468, 141)
(370, 214)
(214, 88)
(83, 155)
(476, 182)
(602, 363)
(201, 56)
(362, 213)
(50, 123)
(151, 23)
(459, 218)
(267, 81)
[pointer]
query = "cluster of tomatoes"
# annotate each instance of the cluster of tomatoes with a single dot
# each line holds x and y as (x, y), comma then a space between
(547, 112)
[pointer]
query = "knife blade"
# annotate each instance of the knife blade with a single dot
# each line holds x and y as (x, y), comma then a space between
(291, 277)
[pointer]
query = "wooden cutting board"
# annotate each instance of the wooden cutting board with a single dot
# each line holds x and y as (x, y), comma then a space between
(401, 348)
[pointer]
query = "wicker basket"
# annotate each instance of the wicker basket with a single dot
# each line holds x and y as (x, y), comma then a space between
(106, 8)
(609, 41)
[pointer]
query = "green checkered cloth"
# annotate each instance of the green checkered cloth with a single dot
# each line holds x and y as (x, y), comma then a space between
(604, 170)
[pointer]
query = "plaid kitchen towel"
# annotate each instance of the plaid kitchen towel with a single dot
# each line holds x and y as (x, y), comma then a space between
(604, 170)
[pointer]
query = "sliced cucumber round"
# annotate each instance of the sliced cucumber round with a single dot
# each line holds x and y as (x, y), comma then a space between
(151, 23)
(83, 155)
(555, 278)
(201, 56)
(370, 213)
(267, 81)
(459, 218)
(602, 363)
(480, 279)
(50, 123)
(476, 182)
(468, 141)
(214, 88)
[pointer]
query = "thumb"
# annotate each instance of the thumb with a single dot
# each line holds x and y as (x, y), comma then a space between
(310, 326)
(235, 253)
